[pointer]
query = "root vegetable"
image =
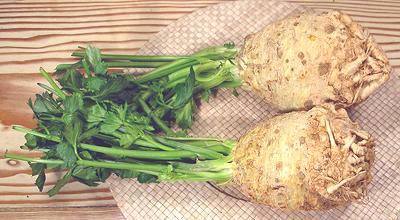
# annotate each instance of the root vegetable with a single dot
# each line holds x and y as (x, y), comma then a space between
(304, 160)
(311, 59)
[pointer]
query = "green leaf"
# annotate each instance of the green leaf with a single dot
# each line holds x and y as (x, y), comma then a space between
(87, 182)
(95, 114)
(63, 67)
(94, 84)
(86, 155)
(30, 104)
(146, 178)
(46, 87)
(40, 180)
(73, 103)
(51, 101)
(86, 173)
(94, 57)
(114, 85)
(86, 67)
(36, 143)
(88, 134)
(136, 118)
(103, 174)
(229, 45)
(60, 183)
(66, 152)
(131, 135)
(51, 154)
(45, 104)
(126, 173)
(160, 111)
(71, 79)
(31, 140)
(184, 91)
(205, 95)
(37, 168)
(109, 128)
(111, 123)
(121, 111)
(184, 115)
(67, 118)
(126, 140)
(72, 131)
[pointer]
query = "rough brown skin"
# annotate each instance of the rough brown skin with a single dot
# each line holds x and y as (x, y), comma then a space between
(304, 160)
(311, 59)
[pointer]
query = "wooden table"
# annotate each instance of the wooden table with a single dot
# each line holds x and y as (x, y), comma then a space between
(37, 34)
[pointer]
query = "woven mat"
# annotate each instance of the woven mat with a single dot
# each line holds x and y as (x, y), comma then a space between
(227, 116)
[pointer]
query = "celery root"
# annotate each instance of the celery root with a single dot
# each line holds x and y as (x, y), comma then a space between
(311, 59)
(304, 160)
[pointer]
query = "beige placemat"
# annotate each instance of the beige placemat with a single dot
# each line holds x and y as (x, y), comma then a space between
(227, 116)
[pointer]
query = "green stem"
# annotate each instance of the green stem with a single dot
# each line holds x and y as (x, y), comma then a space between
(153, 169)
(115, 64)
(222, 176)
(146, 95)
(145, 143)
(202, 152)
(53, 84)
(210, 65)
(180, 75)
(217, 53)
(149, 142)
(153, 155)
(218, 177)
(217, 148)
(35, 133)
(86, 67)
(224, 73)
(140, 58)
(172, 84)
(158, 121)
(167, 69)
(62, 67)
(219, 170)
(215, 144)
(135, 64)
(46, 87)
(106, 138)
(33, 160)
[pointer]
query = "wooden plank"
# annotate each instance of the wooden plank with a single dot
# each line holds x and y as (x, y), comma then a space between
(104, 213)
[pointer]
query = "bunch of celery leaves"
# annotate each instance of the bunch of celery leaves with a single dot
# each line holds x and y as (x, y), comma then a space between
(94, 123)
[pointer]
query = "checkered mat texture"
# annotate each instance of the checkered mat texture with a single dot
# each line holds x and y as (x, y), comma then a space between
(227, 116)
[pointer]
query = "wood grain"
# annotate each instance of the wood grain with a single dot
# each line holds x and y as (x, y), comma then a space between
(106, 212)
(35, 33)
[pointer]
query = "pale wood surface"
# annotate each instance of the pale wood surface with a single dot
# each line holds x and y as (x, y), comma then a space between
(37, 33)
(43, 213)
